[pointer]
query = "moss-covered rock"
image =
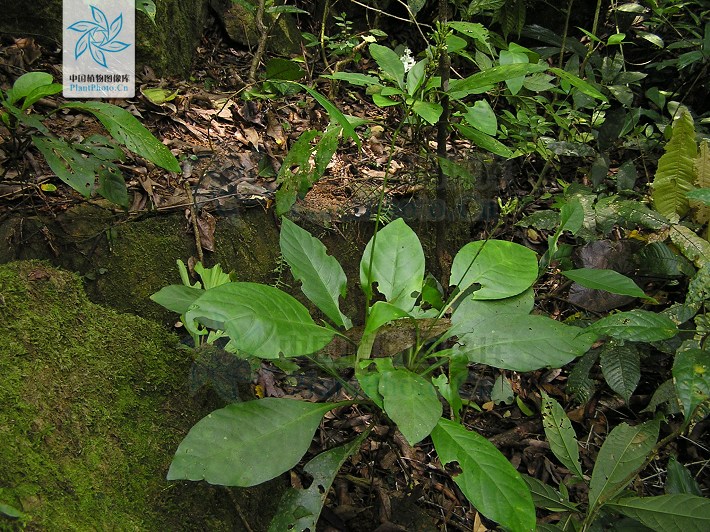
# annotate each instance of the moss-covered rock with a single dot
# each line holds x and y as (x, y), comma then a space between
(168, 46)
(92, 406)
(240, 25)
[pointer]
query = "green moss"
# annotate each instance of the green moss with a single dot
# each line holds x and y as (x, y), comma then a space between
(92, 406)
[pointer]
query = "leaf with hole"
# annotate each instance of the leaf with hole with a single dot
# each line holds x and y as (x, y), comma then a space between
(299, 509)
(411, 402)
(524, 343)
(636, 326)
(691, 375)
(503, 269)
(260, 320)
(322, 278)
(126, 129)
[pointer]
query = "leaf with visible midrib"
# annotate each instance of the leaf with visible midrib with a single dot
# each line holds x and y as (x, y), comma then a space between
(487, 479)
(411, 402)
(676, 171)
(126, 129)
(688, 513)
(261, 320)
(607, 280)
(560, 434)
(397, 265)
(245, 444)
(623, 452)
(322, 277)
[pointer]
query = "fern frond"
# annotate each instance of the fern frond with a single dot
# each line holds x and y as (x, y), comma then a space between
(676, 172)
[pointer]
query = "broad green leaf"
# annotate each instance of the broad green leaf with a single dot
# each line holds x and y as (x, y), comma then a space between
(502, 391)
(381, 313)
(26, 84)
(584, 86)
(487, 479)
(482, 140)
(482, 117)
(688, 513)
(354, 78)
(676, 172)
(636, 326)
(177, 297)
(415, 5)
(411, 402)
(41, 92)
(428, 111)
(546, 497)
(471, 312)
(396, 264)
(508, 57)
(665, 393)
(623, 452)
(322, 277)
(112, 186)
(578, 383)
(524, 343)
(211, 277)
(608, 280)
(71, 166)
(482, 81)
(126, 129)
(299, 509)
(147, 7)
(368, 374)
(243, 444)
(449, 385)
(503, 269)
(159, 96)
(679, 480)
(260, 320)
(621, 366)
(691, 376)
(617, 38)
(416, 76)
(382, 101)
(389, 62)
(282, 69)
(10, 511)
(561, 435)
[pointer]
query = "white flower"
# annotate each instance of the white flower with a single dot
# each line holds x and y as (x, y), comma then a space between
(407, 60)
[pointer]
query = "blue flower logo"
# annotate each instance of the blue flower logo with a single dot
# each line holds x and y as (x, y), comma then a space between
(98, 36)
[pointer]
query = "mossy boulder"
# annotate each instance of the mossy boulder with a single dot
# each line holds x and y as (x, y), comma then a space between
(240, 25)
(168, 46)
(93, 404)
